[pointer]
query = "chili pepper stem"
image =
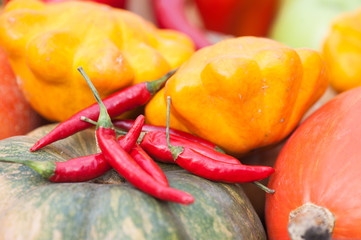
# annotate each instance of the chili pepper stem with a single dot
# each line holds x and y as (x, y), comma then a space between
(104, 119)
(175, 150)
(264, 188)
(45, 169)
(88, 120)
(155, 85)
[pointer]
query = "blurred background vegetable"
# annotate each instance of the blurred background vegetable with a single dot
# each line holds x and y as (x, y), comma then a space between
(238, 17)
(113, 3)
(305, 23)
(342, 51)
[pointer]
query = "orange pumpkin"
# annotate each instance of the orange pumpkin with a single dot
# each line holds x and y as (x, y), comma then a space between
(16, 115)
(317, 174)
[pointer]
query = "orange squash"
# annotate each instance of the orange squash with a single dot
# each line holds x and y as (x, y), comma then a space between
(242, 93)
(317, 175)
(16, 115)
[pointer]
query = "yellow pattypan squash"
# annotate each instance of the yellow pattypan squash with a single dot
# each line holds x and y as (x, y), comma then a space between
(342, 51)
(242, 93)
(46, 43)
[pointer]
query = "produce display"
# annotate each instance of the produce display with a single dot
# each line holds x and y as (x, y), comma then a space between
(242, 93)
(182, 119)
(47, 42)
(31, 207)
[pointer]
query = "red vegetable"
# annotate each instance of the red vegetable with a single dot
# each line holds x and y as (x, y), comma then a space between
(82, 168)
(238, 17)
(200, 160)
(148, 164)
(155, 143)
(127, 124)
(116, 104)
(171, 14)
(74, 170)
(124, 164)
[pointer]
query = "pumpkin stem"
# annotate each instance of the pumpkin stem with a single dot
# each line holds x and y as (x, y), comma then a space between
(311, 222)
(175, 150)
(46, 168)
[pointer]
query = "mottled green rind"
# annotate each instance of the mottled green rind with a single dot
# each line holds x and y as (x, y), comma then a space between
(33, 208)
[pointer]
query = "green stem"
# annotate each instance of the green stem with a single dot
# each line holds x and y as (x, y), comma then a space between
(264, 188)
(155, 85)
(104, 119)
(175, 150)
(88, 120)
(46, 169)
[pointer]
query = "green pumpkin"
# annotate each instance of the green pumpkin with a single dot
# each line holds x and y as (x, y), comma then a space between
(109, 207)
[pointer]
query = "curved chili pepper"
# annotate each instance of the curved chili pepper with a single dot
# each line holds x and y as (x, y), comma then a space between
(84, 168)
(126, 125)
(171, 14)
(148, 164)
(116, 104)
(124, 164)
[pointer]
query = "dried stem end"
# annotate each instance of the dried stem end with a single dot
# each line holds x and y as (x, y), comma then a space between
(311, 222)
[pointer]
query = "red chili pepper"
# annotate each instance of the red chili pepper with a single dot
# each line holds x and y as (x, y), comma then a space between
(82, 168)
(148, 164)
(74, 170)
(116, 104)
(126, 125)
(124, 164)
(155, 144)
(203, 163)
(171, 14)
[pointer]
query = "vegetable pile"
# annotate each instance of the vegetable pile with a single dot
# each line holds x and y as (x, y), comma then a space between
(162, 128)
(129, 158)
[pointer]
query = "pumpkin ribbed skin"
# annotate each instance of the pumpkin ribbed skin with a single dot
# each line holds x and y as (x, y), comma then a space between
(34, 208)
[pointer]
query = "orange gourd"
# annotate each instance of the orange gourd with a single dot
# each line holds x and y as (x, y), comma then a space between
(242, 93)
(46, 43)
(16, 115)
(317, 174)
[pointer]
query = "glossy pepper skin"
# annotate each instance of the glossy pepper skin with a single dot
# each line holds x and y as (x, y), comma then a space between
(116, 104)
(125, 165)
(128, 123)
(242, 93)
(46, 42)
(342, 52)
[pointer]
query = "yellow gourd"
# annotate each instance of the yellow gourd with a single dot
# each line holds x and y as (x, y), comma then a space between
(242, 93)
(46, 43)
